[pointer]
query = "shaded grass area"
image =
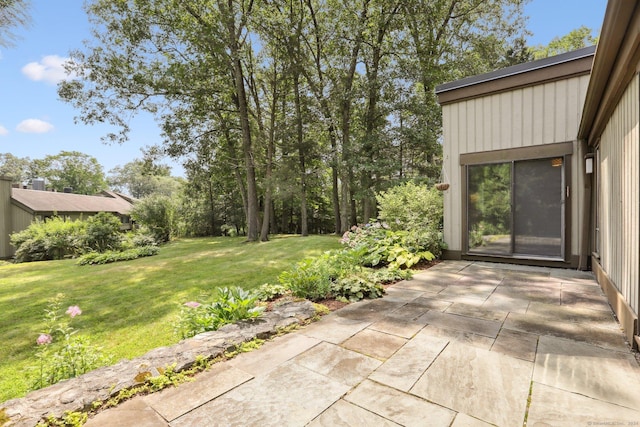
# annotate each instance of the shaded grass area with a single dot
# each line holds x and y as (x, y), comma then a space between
(129, 307)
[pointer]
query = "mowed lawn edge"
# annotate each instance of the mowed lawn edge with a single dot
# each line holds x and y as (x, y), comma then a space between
(129, 308)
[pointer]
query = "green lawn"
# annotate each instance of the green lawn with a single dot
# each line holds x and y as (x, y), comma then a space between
(128, 307)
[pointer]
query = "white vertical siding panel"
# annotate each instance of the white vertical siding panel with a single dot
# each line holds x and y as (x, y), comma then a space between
(516, 119)
(619, 199)
(538, 116)
(496, 123)
(506, 123)
(485, 145)
(472, 123)
(561, 126)
(527, 117)
(548, 113)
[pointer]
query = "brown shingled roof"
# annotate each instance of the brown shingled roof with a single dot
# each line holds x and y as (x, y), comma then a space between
(47, 201)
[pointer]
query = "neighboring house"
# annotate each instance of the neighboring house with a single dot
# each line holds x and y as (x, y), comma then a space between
(543, 161)
(20, 207)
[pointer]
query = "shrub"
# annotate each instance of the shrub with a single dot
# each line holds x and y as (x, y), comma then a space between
(93, 258)
(410, 206)
(231, 305)
(53, 238)
(417, 209)
(156, 214)
(312, 278)
(102, 232)
(377, 245)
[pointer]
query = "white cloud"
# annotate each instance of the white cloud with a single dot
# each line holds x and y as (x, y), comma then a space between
(50, 69)
(34, 126)
(3, 131)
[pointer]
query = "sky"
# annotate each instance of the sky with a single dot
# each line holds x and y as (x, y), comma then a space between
(35, 123)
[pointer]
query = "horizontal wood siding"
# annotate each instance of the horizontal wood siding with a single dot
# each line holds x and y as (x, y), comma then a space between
(618, 200)
(543, 114)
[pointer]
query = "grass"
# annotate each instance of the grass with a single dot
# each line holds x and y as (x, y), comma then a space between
(129, 308)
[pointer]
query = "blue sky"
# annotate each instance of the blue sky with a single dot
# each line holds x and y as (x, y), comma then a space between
(35, 123)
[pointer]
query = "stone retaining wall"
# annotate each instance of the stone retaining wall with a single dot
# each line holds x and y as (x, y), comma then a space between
(79, 393)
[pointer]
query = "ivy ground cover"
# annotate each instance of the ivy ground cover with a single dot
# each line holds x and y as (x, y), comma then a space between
(129, 308)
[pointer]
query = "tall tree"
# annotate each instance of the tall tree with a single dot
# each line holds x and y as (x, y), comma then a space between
(138, 178)
(161, 56)
(78, 171)
(16, 168)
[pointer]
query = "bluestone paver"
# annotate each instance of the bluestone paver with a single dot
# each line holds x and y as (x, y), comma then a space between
(463, 344)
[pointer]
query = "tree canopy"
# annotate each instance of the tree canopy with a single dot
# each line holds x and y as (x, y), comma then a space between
(13, 15)
(294, 113)
(574, 40)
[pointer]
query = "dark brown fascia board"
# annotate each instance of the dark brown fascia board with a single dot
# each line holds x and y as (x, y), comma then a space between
(545, 70)
(520, 153)
(615, 64)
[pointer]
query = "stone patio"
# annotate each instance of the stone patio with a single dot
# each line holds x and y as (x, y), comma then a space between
(461, 344)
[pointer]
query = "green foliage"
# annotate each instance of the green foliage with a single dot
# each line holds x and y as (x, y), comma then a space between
(79, 171)
(14, 167)
(156, 214)
(68, 419)
(417, 210)
(230, 306)
(410, 206)
(574, 40)
(102, 232)
(379, 246)
(339, 274)
(356, 287)
(128, 302)
(141, 178)
(61, 354)
(53, 238)
(95, 258)
(98, 237)
(312, 278)
(268, 292)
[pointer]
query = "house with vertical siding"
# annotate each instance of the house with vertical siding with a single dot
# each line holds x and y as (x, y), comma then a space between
(19, 207)
(543, 162)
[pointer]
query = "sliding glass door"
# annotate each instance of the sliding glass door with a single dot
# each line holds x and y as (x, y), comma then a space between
(516, 208)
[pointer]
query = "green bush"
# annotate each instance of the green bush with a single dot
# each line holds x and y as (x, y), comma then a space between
(410, 206)
(94, 258)
(377, 245)
(312, 278)
(231, 306)
(53, 238)
(156, 215)
(102, 232)
(417, 209)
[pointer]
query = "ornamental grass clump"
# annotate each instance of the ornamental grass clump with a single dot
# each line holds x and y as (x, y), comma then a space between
(62, 354)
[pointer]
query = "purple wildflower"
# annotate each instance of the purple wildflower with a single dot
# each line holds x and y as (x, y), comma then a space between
(192, 304)
(44, 339)
(74, 311)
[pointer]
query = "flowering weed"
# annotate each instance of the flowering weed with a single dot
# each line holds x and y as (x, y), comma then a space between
(61, 354)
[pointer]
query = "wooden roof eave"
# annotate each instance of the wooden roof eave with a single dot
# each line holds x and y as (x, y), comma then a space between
(618, 48)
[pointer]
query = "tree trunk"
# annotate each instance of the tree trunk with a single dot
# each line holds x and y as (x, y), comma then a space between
(304, 225)
(243, 113)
